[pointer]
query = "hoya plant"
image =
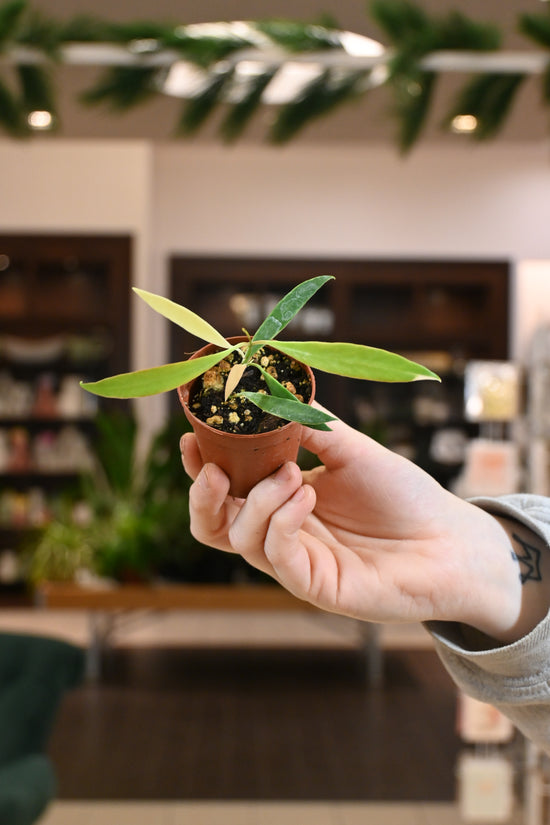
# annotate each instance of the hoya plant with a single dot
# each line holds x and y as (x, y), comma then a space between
(345, 359)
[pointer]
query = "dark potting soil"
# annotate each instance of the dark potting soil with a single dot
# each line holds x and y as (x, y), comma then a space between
(238, 415)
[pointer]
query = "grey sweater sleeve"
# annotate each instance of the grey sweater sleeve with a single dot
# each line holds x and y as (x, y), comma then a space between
(514, 678)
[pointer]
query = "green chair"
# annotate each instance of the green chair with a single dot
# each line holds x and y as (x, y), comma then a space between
(35, 671)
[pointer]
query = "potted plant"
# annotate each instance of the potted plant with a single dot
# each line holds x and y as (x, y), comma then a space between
(124, 520)
(247, 397)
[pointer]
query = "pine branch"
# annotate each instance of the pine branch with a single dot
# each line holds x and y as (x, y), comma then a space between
(124, 87)
(199, 108)
(322, 95)
(413, 99)
(299, 37)
(36, 89)
(11, 117)
(488, 98)
(203, 50)
(537, 27)
(415, 35)
(11, 14)
(240, 113)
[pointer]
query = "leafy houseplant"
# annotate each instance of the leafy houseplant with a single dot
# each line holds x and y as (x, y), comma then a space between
(232, 379)
(125, 520)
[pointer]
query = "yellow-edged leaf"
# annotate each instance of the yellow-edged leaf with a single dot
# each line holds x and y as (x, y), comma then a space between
(155, 380)
(234, 376)
(183, 317)
(355, 361)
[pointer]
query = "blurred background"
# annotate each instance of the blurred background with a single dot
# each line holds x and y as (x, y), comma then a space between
(442, 254)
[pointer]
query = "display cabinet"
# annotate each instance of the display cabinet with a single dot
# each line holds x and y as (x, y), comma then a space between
(64, 317)
(441, 313)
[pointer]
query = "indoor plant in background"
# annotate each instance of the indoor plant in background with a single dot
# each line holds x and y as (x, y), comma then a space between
(127, 520)
(248, 396)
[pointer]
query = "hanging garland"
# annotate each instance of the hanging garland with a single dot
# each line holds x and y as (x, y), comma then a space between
(135, 59)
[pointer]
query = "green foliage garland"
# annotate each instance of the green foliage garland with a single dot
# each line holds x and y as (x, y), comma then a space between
(32, 45)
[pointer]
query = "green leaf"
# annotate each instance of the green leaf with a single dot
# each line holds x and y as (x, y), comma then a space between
(355, 361)
(183, 317)
(299, 37)
(123, 87)
(288, 307)
(325, 92)
(11, 118)
(413, 95)
(536, 26)
(10, 18)
(204, 49)
(155, 380)
(488, 98)
(290, 410)
(242, 111)
(36, 89)
(199, 107)
(275, 387)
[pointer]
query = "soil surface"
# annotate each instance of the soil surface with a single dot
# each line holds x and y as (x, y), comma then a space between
(238, 415)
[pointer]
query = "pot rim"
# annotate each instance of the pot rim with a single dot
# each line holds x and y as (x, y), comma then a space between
(184, 392)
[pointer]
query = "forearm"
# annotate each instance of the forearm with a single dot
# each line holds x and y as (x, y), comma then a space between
(511, 670)
(527, 600)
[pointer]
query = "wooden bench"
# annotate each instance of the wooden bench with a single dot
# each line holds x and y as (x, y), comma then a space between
(106, 605)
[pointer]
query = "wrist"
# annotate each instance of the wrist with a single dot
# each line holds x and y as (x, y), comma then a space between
(516, 594)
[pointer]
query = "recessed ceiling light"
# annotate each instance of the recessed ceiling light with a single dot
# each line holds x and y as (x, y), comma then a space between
(40, 120)
(464, 124)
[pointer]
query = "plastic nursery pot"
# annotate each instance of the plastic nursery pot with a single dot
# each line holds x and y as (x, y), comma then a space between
(246, 459)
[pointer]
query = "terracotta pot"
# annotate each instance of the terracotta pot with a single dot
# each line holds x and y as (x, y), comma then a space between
(246, 459)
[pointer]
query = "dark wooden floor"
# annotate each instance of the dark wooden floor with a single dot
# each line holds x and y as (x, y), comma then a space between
(252, 724)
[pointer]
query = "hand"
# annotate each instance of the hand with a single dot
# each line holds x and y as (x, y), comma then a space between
(368, 535)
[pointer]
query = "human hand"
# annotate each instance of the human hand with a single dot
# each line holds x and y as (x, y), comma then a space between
(368, 535)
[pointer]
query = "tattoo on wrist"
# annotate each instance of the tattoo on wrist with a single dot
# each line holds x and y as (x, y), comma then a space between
(529, 560)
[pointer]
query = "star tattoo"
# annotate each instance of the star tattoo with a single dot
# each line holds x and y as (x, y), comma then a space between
(529, 561)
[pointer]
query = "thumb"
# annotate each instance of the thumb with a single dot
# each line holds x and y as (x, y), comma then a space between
(336, 448)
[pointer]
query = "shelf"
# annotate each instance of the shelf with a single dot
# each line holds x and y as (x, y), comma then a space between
(64, 317)
(39, 478)
(451, 310)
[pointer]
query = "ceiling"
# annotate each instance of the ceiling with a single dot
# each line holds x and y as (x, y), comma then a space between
(369, 119)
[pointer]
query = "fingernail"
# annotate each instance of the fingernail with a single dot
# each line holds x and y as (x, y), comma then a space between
(283, 473)
(202, 479)
(299, 494)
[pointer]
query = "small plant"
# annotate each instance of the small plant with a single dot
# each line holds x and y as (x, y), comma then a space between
(345, 359)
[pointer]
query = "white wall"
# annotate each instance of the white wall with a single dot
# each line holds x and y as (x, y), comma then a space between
(468, 201)
(84, 186)
(485, 201)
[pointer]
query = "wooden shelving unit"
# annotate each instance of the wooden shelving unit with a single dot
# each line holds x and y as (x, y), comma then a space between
(64, 316)
(442, 313)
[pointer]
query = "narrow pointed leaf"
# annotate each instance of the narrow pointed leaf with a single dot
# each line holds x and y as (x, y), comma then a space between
(200, 107)
(241, 113)
(10, 16)
(11, 118)
(123, 87)
(288, 307)
(36, 89)
(325, 92)
(183, 317)
(234, 376)
(275, 387)
(355, 361)
(290, 410)
(155, 380)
